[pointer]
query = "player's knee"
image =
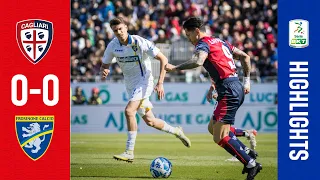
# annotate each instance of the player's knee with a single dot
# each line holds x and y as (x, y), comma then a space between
(149, 123)
(129, 112)
(210, 129)
(142, 112)
(210, 125)
(216, 139)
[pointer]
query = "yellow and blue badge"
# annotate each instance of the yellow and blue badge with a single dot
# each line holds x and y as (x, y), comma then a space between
(134, 48)
(34, 134)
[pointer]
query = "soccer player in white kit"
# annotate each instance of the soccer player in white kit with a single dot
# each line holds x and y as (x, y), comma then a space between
(133, 55)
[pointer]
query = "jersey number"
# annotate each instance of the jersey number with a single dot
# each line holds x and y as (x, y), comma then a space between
(227, 53)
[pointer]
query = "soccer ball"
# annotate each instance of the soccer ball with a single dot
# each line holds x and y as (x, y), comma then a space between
(161, 167)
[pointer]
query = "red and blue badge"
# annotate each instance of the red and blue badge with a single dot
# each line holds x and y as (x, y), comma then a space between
(34, 37)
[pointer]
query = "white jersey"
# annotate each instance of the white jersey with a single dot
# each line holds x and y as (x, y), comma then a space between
(134, 61)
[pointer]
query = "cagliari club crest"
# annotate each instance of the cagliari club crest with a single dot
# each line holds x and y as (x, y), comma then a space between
(34, 37)
(34, 134)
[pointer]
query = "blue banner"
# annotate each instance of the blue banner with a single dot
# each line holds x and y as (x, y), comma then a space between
(299, 124)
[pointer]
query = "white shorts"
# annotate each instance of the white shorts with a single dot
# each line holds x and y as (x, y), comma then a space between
(145, 106)
(141, 91)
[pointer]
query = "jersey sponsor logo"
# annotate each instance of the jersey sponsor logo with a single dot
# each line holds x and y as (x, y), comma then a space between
(118, 50)
(34, 38)
(128, 59)
(34, 134)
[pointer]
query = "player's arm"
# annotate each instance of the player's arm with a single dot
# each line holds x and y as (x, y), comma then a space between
(159, 87)
(197, 59)
(163, 61)
(246, 65)
(212, 92)
(106, 61)
(212, 86)
(245, 61)
(104, 70)
(149, 48)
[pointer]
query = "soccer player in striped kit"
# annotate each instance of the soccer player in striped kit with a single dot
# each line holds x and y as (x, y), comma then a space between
(250, 134)
(216, 56)
(133, 54)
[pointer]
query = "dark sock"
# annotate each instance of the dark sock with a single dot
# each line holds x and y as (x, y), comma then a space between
(234, 148)
(237, 132)
(244, 147)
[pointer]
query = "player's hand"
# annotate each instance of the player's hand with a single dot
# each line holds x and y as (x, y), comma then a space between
(247, 89)
(211, 94)
(104, 73)
(169, 67)
(246, 85)
(160, 90)
(215, 95)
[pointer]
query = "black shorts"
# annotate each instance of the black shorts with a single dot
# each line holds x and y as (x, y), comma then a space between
(230, 98)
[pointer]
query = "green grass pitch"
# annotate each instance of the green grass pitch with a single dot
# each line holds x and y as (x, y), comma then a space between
(92, 157)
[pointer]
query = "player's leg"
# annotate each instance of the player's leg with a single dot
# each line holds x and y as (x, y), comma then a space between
(147, 115)
(210, 125)
(223, 117)
(236, 131)
(250, 152)
(249, 134)
(210, 129)
(237, 91)
(231, 97)
(231, 133)
(222, 138)
(251, 137)
(130, 113)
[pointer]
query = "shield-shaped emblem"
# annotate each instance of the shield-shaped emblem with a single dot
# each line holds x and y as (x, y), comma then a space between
(34, 37)
(135, 48)
(34, 134)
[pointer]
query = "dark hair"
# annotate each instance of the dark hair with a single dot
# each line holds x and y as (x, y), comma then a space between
(117, 21)
(192, 23)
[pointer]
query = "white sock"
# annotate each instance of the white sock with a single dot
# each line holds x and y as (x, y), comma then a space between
(167, 128)
(251, 164)
(132, 135)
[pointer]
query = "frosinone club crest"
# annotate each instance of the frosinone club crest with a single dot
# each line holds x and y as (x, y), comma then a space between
(34, 134)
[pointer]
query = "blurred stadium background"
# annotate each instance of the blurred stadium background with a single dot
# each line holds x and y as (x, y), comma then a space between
(98, 123)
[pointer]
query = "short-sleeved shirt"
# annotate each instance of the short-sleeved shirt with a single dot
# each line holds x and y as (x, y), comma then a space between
(222, 70)
(219, 63)
(133, 59)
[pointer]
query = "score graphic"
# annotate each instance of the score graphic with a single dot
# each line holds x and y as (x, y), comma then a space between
(25, 91)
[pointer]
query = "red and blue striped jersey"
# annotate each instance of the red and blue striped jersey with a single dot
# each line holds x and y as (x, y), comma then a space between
(219, 63)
